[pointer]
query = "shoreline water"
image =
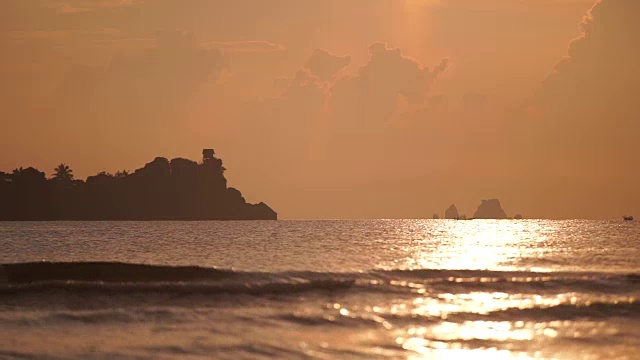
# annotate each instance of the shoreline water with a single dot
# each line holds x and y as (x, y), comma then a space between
(402, 289)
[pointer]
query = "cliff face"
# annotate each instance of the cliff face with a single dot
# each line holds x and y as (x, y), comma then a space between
(261, 211)
(490, 209)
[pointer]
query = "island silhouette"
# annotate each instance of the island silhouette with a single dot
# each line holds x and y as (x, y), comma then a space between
(179, 189)
(488, 209)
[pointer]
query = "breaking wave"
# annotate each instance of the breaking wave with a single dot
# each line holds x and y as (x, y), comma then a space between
(114, 277)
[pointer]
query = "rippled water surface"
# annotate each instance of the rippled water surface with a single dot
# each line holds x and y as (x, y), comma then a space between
(416, 289)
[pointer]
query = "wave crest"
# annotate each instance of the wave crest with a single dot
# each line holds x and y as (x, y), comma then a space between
(118, 278)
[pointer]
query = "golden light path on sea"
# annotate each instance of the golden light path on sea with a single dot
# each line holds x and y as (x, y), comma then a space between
(475, 245)
(478, 245)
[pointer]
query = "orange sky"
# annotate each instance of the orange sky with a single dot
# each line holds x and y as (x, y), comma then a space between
(334, 108)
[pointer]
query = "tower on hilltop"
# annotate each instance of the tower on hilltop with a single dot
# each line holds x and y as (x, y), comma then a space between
(207, 154)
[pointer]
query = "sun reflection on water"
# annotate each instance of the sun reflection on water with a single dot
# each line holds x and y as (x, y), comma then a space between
(507, 312)
(427, 349)
(477, 245)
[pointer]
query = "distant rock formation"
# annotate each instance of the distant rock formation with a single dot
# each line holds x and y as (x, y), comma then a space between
(490, 209)
(518, 217)
(451, 213)
(436, 217)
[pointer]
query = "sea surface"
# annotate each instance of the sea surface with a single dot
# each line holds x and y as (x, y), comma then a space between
(396, 289)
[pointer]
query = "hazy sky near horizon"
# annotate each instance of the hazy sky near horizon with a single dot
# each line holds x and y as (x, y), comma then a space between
(338, 108)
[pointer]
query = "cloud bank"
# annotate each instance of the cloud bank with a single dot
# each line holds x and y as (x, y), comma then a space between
(589, 102)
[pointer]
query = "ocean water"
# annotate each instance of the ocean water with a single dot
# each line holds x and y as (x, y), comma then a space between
(397, 289)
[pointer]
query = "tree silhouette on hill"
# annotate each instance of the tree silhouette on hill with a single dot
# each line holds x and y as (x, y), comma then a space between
(63, 173)
(179, 189)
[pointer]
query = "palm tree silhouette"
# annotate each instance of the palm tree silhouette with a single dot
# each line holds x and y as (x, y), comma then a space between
(63, 173)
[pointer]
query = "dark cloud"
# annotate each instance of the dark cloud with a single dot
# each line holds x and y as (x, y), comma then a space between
(326, 65)
(342, 120)
(604, 58)
(371, 97)
(175, 67)
(589, 103)
(364, 101)
(137, 92)
(390, 73)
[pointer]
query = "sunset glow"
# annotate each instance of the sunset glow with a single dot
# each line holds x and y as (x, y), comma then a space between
(320, 179)
(183, 77)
